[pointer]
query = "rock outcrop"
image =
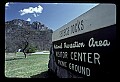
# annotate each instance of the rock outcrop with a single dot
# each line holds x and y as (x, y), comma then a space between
(18, 31)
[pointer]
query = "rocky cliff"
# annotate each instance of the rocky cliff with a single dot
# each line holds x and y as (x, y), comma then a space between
(18, 32)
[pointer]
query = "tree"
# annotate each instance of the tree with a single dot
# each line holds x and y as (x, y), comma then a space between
(24, 35)
(22, 41)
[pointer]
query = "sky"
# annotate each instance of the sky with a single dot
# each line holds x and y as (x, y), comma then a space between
(53, 15)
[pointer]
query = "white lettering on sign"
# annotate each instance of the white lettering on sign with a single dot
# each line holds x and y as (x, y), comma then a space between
(89, 57)
(61, 54)
(75, 55)
(62, 63)
(75, 44)
(93, 43)
(85, 57)
(65, 56)
(79, 69)
(58, 46)
(96, 58)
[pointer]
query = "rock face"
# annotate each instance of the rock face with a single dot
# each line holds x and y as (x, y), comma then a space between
(18, 31)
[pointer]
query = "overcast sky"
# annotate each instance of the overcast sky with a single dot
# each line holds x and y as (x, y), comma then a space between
(53, 15)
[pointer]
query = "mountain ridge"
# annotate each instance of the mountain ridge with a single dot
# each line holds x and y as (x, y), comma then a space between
(18, 31)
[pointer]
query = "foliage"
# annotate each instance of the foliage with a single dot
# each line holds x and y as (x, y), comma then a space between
(31, 49)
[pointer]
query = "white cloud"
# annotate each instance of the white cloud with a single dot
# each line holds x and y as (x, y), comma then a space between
(34, 11)
(28, 19)
(35, 15)
(7, 4)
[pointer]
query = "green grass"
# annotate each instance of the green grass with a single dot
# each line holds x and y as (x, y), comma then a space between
(25, 67)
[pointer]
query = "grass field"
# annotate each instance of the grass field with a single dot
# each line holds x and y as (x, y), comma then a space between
(16, 66)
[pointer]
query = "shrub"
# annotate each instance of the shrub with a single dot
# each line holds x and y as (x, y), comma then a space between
(31, 49)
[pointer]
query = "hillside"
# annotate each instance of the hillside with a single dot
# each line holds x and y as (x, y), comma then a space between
(18, 32)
